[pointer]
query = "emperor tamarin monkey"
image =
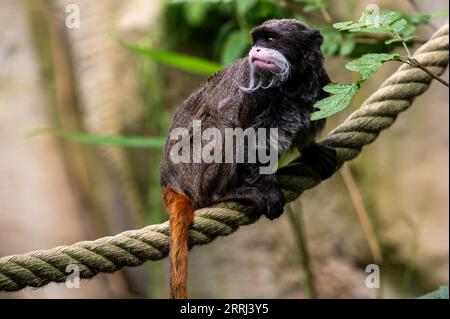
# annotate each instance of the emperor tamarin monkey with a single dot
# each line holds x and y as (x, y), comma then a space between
(276, 86)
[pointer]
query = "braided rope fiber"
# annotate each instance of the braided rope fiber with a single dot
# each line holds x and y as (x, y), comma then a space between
(134, 247)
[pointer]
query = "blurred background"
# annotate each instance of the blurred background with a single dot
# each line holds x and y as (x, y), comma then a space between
(69, 183)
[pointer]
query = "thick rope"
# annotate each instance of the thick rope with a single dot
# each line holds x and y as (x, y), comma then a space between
(134, 247)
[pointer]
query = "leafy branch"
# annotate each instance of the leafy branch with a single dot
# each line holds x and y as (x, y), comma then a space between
(391, 23)
(341, 93)
(414, 63)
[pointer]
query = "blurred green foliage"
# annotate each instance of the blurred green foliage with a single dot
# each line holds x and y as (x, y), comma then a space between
(214, 33)
(215, 29)
(441, 293)
(180, 61)
(111, 140)
(190, 21)
(219, 29)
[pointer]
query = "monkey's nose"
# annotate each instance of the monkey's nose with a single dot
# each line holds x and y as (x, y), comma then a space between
(258, 50)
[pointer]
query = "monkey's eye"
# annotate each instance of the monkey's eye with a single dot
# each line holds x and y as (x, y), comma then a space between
(270, 39)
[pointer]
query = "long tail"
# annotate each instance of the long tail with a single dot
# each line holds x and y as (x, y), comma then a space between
(181, 213)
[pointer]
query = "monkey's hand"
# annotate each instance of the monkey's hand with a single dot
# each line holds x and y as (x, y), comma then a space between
(274, 201)
(264, 199)
(269, 200)
(321, 158)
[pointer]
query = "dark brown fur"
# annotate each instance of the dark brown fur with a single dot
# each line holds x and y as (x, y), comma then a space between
(220, 103)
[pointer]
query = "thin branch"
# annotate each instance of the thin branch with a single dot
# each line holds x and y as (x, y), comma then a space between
(296, 221)
(403, 43)
(325, 13)
(412, 259)
(414, 63)
(363, 215)
(406, 49)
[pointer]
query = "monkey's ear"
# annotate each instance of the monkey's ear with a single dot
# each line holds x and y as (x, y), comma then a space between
(315, 36)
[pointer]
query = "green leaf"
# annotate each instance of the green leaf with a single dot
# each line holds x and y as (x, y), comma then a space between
(310, 7)
(124, 141)
(399, 25)
(331, 41)
(348, 45)
(343, 25)
(371, 22)
(405, 39)
(360, 27)
(341, 97)
(369, 16)
(337, 42)
(387, 18)
(441, 293)
(199, 1)
(370, 29)
(408, 30)
(235, 45)
(313, 5)
(369, 63)
(180, 61)
(244, 6)
(302, 19)
(196, 13)
(222, 34)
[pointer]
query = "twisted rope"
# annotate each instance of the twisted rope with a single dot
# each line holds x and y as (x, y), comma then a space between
(134, 247)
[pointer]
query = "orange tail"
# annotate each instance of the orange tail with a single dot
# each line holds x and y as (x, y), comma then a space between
(181, 213)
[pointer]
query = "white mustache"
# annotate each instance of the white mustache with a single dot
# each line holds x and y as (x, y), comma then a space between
(277, 76)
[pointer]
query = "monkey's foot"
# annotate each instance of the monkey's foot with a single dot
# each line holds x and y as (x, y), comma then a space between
(274, 200)
(321, 159)
(258, 201)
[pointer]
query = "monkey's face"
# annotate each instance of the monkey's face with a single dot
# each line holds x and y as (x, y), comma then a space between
(280, 49)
